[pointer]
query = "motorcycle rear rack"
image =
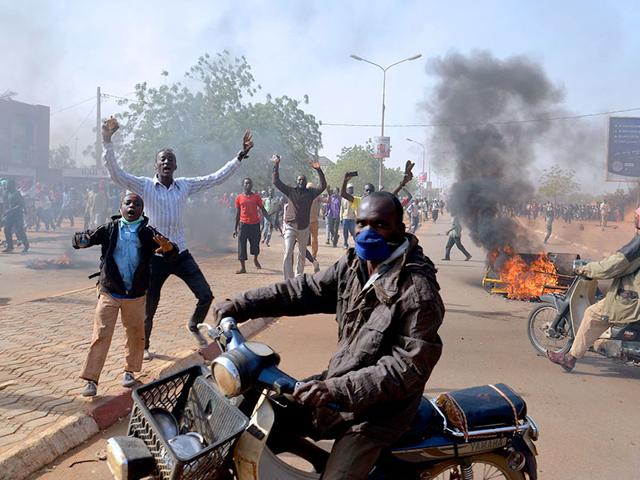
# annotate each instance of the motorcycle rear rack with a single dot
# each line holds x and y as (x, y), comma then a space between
(525, 425)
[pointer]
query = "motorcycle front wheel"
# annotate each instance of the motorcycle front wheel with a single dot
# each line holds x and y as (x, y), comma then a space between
(542, 337)
(484, 467)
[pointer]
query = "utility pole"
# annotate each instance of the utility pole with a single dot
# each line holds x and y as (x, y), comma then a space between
(384, 84)
(98, 131)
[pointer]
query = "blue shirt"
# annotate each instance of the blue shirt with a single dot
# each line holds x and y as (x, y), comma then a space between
(127, 252)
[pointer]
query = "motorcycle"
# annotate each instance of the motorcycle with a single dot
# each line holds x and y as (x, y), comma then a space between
(492, 444)
(552, 324)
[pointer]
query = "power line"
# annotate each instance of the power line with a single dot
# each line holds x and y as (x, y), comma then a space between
(505, 122)
(73, 106)
(81, 124)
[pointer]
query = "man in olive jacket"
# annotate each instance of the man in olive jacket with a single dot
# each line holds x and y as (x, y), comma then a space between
(619, 306)
(385, 297)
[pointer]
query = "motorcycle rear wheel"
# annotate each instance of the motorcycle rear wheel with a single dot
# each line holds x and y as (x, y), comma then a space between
(485, 466)
(540, 319)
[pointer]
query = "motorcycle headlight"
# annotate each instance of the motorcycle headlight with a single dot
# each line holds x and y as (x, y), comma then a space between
(235, 371)
(227, 376)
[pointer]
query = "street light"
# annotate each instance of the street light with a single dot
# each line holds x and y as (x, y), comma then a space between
(384, 83)
(424, 153)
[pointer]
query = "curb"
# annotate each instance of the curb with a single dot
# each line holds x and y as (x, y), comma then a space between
(36, 453)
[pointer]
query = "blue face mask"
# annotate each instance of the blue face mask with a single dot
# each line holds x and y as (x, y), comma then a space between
(372, 246)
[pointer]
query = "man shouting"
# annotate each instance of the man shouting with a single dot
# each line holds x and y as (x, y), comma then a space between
(165, 201)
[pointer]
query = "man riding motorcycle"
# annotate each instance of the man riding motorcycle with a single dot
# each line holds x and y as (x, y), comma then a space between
(385, 297)
(619, 306)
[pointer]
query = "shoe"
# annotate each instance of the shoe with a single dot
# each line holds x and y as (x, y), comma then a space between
(90, 389)
(25, 250)
(147, 355)
(565, 361)
(468, 258)
(446, 259)
(7, 250)
(199, 337)
(316, 266)
(327, 242)
(128, 380)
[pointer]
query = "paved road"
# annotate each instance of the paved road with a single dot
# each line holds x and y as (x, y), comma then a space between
(588, 419)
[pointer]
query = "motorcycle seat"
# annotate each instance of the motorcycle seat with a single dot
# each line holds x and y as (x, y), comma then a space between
(481, 407)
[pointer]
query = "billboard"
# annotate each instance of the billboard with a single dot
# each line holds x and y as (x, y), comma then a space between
(382, 147)
(623, 149)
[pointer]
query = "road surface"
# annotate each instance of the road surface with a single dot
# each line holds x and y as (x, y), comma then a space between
(588, 419)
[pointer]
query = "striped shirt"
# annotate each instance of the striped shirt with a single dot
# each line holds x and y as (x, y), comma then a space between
(164, 206)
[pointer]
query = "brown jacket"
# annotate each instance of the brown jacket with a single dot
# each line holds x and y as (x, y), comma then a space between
(621, 303)
(388, 339)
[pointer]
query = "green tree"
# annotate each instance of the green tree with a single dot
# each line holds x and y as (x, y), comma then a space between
(60, 157)
(557, 184)
(203, 120)
(360, 159)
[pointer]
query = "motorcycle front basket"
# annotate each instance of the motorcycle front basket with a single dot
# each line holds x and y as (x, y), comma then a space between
(198, 407)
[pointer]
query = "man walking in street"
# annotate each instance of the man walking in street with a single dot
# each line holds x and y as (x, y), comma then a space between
(166, 202)
(549, 217)
(604, 214)
(333, 217)
(14, 218)
(455, 238)
(297, 215)
(272, 206)
(248, 224)
(314, 227)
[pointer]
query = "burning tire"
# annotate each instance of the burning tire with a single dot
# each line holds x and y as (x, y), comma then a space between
(542, 336)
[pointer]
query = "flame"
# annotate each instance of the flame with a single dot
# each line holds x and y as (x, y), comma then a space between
(524, 281)
(63, 261)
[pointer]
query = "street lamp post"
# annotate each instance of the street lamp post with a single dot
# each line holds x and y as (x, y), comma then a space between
(424, 154)
(384, 84)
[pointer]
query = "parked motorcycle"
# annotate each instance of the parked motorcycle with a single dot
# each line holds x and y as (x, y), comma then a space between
(493, 440)
(552, 325)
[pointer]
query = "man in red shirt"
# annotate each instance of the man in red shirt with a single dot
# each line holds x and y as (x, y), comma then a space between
(248, 224)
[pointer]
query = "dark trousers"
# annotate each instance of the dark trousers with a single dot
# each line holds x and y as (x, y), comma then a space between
(353, 455)
(250, 232)
(457, 241)
(15, 225)
(333, 225)
(348, 227)
(186, 268)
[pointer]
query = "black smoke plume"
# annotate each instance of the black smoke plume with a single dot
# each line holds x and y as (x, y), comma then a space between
(477, 97)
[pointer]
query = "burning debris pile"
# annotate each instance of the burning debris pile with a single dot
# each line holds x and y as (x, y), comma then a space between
(526, 276)
(63, 261)
(486, 111)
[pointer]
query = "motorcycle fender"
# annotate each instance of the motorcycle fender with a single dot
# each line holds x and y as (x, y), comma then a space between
(531, 445)
(253, 441)
(530, 452)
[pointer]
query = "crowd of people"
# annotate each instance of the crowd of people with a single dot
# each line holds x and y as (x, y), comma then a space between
(293, 211)
(600, 211)
(37, 206)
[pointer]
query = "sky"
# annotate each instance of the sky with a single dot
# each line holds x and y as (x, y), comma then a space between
(56, 52)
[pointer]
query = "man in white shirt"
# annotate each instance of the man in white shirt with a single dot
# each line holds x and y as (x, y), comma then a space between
(165, 200)
(604, 214)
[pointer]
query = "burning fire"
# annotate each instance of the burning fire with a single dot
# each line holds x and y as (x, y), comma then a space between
(63, 261)
(524, 281)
